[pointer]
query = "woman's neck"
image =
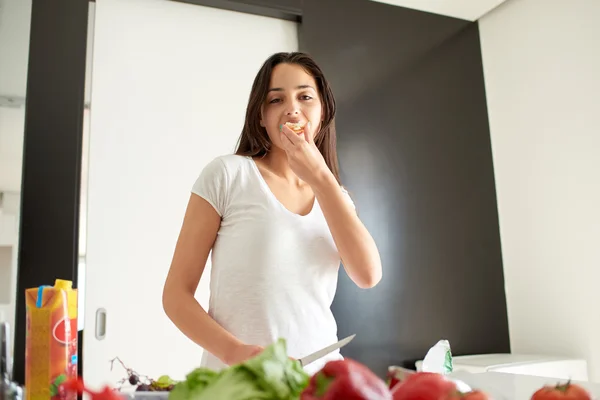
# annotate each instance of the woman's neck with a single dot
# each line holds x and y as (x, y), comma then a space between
(276, 161)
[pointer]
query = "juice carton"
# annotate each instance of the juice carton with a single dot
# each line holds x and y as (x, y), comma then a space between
(51, 340)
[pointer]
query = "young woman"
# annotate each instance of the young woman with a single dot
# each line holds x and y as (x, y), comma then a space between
(278, 223)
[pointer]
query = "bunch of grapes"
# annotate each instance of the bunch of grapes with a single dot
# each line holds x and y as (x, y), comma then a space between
(144, 383)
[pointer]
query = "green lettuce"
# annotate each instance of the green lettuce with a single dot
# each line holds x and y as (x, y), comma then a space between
(277, 373)
(194, 384)
(233, 383)
(271, 375)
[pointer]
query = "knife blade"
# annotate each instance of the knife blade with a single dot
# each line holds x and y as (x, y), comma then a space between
(304, 361)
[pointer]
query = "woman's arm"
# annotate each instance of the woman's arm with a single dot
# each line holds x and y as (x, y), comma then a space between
(198, 233)
(357, 248)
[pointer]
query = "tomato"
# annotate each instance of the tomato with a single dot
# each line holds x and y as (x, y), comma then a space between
(392, 381)
(424, 386)
(431, 386)
(472, 395)
(566, 391)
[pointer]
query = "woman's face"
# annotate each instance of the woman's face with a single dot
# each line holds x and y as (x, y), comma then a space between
(292, 97)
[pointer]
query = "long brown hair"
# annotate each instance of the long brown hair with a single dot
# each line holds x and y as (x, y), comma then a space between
(254, 140)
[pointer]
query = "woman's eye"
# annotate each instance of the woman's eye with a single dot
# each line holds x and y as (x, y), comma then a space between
(273, 101)
(306, 97)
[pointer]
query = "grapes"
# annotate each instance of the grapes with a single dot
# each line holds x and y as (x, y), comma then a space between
(134, 379)
(144, 383)
(143, 388)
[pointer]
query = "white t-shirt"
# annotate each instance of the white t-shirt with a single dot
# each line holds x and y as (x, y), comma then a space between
(274, 273)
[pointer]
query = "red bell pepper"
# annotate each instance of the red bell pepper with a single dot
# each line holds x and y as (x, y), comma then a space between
(346, 380)
(77, 386)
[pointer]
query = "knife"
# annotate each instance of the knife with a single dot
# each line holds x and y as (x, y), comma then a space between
(304, 361)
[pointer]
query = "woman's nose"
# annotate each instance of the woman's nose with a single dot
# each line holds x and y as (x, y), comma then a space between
(292, 108)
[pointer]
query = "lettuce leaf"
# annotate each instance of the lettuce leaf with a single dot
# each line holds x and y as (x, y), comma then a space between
(277, 373)
(271, 375)
(234, 383)
(195, 382)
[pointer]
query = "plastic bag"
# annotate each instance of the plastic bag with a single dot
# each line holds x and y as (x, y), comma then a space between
(439, 359)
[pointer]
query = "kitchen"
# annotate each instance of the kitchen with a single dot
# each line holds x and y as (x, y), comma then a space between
(468, 259)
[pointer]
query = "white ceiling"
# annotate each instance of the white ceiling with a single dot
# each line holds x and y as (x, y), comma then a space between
(470, 10)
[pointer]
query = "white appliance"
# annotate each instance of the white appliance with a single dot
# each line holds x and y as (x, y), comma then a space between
(504, 386)
(521, 364)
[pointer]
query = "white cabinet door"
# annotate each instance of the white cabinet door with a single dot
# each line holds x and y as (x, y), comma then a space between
(170, 85)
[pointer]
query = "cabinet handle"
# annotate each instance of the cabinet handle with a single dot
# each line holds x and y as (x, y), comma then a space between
(100, 323)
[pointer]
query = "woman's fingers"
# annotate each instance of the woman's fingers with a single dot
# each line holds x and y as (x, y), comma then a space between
(290, 136)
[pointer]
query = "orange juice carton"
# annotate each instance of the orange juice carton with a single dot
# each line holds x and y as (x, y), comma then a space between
(51, 341)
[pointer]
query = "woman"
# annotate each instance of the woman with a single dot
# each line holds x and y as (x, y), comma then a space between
(278, 223)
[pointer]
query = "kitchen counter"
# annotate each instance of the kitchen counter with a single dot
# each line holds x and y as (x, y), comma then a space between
(503, 386)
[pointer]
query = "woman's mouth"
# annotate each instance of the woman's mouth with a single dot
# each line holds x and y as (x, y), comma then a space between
(297, 127)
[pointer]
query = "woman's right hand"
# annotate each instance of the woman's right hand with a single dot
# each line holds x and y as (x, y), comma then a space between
(243, 352)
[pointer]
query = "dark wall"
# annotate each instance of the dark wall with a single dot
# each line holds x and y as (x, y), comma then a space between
(415, 154)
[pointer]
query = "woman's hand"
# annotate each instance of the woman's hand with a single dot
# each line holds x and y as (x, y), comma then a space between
(243, 352)
(304, 157)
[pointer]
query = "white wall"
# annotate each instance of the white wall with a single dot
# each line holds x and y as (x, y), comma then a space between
(6, 255)
(169, 90)
(12, 127)
(9, 246)
(15, 18)
(542, 73)
(14, 52)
